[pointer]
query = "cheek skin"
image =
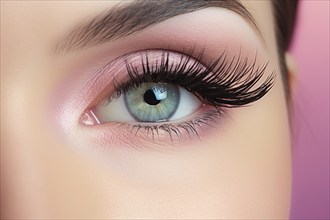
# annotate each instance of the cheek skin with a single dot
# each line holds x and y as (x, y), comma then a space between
(262, 159)
(245, 177)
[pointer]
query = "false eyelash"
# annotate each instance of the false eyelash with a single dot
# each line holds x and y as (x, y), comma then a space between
(222, 83)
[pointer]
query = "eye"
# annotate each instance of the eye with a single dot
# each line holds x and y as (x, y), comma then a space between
(174, 92)
(149, 102)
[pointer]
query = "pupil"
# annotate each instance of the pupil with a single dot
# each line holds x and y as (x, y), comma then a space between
(150, 98)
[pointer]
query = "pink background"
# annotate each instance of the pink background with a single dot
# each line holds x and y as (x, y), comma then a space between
(310, 48)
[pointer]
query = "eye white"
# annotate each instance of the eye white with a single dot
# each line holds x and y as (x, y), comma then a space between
(188, 105)
(116, 110)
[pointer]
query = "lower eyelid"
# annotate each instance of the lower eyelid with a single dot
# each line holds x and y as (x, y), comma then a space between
(201, 124)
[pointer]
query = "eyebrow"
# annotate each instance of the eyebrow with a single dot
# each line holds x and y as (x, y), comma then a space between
(125, 19)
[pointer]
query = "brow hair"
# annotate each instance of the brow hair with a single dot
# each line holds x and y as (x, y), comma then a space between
(128, 18)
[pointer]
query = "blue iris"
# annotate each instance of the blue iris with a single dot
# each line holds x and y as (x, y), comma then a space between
(152, 102)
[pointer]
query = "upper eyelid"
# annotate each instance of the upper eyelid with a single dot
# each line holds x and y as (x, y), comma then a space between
(98, 85)
(126, 19)
(224, 70)
(121, 61)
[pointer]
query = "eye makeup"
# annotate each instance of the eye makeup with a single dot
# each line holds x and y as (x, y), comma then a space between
(223, 83)
(221, 73)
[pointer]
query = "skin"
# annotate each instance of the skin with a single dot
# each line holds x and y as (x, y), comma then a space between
(56, 169)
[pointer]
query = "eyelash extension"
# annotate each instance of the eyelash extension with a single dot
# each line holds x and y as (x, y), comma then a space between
(224, 83)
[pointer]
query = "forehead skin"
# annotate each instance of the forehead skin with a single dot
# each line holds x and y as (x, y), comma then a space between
(43, 176)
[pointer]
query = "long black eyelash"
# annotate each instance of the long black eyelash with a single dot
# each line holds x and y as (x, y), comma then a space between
(222, 83)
